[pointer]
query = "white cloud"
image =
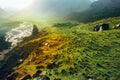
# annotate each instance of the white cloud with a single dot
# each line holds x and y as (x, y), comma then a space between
(93, 0)
(15, 4)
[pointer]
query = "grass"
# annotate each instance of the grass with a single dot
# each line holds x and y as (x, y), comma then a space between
(76, 51)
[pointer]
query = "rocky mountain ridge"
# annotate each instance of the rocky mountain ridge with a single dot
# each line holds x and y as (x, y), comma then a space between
(16, 35)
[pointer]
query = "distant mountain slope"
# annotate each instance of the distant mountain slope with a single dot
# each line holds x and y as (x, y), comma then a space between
(98, 10)
(4, 17)
(7, 26)
(66, 53)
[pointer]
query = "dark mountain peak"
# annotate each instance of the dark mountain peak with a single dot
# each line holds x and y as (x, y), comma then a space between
(105, 3)
(99, 10)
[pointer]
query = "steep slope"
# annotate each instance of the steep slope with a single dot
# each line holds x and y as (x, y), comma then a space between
(12, 33)
(98, 10)
(67, 53)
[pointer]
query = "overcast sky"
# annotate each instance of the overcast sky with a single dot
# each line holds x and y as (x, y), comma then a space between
(16, 4)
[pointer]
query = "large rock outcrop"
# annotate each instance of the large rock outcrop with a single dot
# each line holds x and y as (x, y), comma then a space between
(17, 35)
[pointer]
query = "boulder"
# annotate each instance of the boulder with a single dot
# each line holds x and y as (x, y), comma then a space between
(101, 27)
(105, 26)
(96, 27)
(35, 30)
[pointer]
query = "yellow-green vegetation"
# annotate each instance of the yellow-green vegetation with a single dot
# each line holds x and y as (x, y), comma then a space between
(68, 53)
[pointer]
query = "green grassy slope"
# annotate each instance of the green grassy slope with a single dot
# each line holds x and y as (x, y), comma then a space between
(68, 52)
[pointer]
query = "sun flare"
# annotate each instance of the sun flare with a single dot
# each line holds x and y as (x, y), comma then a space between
(15, 4)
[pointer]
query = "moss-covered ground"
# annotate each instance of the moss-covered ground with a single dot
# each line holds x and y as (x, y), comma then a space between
(69, 51)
